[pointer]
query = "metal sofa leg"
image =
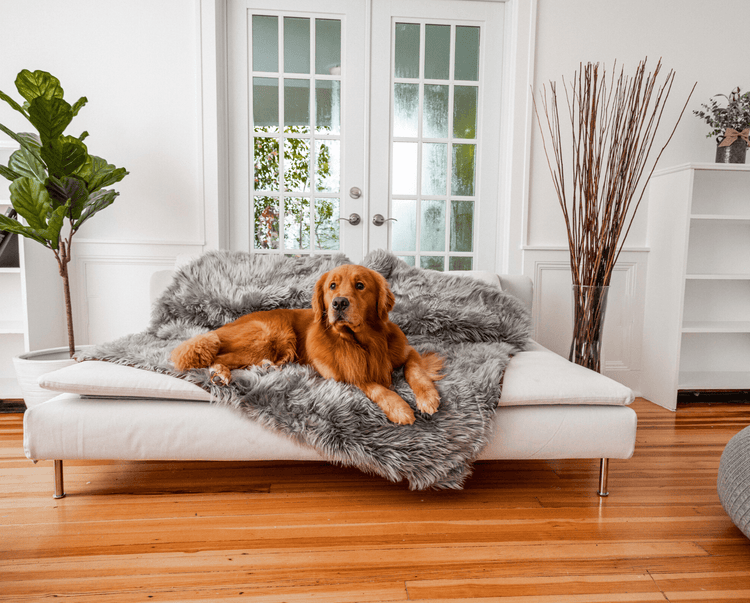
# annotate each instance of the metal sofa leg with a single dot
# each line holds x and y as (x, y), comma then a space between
(603, 476)
(59, 489)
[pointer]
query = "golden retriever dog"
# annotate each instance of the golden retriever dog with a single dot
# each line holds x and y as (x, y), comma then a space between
(346, 336)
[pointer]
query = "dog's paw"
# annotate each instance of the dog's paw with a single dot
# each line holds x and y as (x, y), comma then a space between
(428, 400)
(220, 374)
(400, 415)
(396, 409)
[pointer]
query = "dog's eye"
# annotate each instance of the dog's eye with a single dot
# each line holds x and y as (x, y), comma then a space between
(333, 286)
(360, 286)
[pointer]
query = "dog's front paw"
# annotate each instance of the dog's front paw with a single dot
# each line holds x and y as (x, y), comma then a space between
(220, 374)
(400, 415)
(396, 409)
(428, 400)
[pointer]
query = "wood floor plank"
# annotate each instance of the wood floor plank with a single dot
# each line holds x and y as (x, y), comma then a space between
(539, 586)
(521, 531)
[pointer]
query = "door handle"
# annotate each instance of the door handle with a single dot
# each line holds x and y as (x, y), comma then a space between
(379, 219)
(353, 219)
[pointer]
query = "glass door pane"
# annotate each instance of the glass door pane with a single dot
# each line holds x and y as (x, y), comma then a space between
(296, 130)
(435, 142)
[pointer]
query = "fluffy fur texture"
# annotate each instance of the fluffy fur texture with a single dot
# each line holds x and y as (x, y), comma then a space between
(474, 326)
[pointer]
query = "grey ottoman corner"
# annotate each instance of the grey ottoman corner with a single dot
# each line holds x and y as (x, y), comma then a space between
(734, 480)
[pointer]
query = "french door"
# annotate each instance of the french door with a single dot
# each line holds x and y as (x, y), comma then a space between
(364, 124)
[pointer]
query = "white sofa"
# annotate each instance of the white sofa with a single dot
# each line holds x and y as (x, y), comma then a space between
(549, 409)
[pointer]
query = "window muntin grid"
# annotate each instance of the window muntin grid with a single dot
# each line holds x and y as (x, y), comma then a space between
(295, 119)
(434, 143)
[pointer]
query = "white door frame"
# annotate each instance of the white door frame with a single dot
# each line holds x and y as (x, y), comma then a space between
(513, 168)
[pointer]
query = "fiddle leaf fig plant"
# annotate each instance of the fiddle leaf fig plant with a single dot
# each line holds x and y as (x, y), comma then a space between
(56, 185)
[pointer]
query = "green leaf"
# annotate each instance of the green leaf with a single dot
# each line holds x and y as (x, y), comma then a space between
(11, 225)
(31, 139)
(25, 164)
(50, 116)
(31, 200)
(78, 105)
(68, 189)
(97, 202)
(7, 172)
(97, 173)
(52, 232)
(38, 84)
(12, 103)
(64, 155)
(22, 139)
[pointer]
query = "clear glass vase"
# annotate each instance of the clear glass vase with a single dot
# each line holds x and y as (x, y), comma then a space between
(589, 307)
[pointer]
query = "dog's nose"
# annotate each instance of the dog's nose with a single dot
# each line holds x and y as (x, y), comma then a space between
(340, 304)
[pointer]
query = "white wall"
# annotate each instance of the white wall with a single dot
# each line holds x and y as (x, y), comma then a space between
(139, 64)
(703, 42)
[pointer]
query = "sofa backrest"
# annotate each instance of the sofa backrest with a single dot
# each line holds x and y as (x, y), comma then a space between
(516, 284)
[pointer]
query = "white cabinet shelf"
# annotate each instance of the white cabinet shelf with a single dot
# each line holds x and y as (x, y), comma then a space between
(12, 326)
(697, 322)
(718, 277)
(721, 218)
(716, 326)
(715, 380)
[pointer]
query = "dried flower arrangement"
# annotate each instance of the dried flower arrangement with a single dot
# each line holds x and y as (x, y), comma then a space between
(730, 125)
(613, 126)
(736, 115)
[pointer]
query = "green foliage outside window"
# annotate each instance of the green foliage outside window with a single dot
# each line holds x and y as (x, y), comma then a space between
(296, 179)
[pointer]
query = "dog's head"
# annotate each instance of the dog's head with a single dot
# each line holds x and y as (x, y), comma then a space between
(351, 297)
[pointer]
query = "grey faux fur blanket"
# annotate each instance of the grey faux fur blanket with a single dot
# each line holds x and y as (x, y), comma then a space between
(475, 326)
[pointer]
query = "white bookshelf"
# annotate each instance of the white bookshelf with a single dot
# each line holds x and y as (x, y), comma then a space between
(13, 333)
(697, 320)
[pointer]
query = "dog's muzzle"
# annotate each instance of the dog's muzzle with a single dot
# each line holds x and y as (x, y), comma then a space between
(339, 306)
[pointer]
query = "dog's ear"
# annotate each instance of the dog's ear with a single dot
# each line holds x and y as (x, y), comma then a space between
(318, 299)
(386, 299)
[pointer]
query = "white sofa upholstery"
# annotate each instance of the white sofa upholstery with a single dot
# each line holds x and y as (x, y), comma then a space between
(549, 409)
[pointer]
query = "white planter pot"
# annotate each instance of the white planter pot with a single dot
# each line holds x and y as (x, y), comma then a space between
(32, 365)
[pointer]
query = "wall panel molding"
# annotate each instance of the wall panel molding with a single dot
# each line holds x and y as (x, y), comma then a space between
(110, 287)
(623, 329)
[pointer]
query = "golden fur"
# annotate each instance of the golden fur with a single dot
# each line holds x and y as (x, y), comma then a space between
(346, 336)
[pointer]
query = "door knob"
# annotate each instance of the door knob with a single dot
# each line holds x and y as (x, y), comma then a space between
(379, 219)
(353, 219)
(355, 193)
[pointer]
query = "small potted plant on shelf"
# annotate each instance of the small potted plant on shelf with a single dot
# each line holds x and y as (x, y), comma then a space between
(56, 186)
(730, 125)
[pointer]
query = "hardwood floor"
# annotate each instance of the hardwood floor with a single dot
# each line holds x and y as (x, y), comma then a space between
(526, 531)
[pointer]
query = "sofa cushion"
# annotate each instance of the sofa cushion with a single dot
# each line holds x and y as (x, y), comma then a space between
(539, 376)
(533, 377)
(106, 379)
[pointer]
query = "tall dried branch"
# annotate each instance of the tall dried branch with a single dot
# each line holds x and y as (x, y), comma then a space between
(601, 170)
